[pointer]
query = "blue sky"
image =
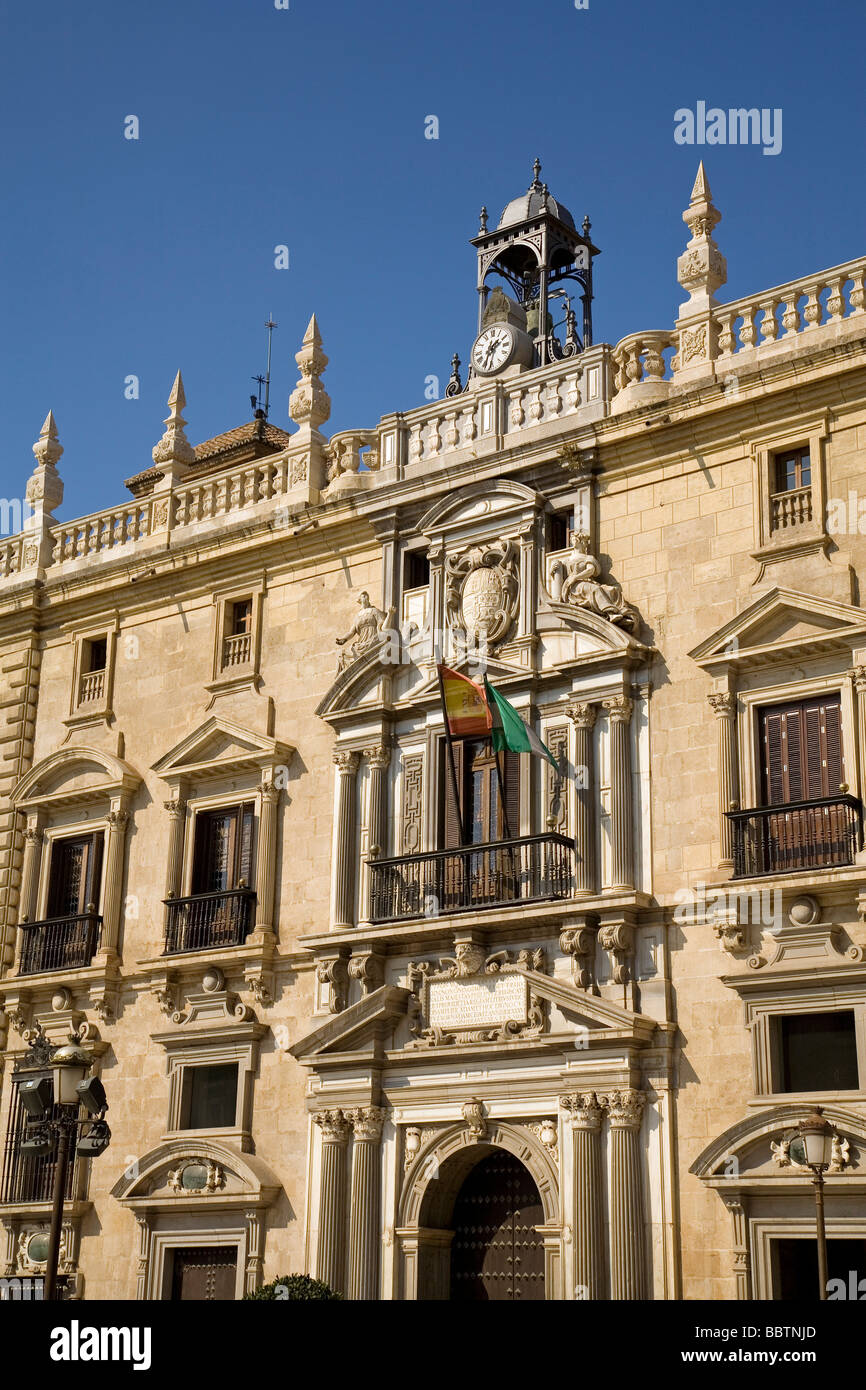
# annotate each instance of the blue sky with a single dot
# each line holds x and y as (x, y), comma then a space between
(305, 127)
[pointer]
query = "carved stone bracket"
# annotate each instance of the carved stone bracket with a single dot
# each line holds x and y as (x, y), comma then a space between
(369, 969)
(335, 972)
(617, 938)
(579, 942)
(473, 1114)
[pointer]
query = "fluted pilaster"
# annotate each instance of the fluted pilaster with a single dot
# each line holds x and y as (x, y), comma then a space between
(344, 858)
(586, 1117)
(33, 841)
(331, 1257)
(619, 710)
(725, 708)
(115, 841)
(627, 1261)
(378, 760)
(266, 857)
(364, 1235)
(583, 717)
(174, 862)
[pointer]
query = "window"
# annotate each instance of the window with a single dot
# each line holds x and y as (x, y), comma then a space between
(416, 570)
(74, 876)
(818, 1052)
(210, 1097)
(237, 641)
(29, 1178)
(223, 852)
(487, 815)
(801, 750)
(559, 527)
(793, 470)
(794, 1264)
(94, 661)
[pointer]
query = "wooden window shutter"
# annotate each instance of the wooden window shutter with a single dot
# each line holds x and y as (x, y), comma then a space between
(511, 780)
(245, 846)
(833, 737)
(773, 749)
(801, 747)
(451, 819)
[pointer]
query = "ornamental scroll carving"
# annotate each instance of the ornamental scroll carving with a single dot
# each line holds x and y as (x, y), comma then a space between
(472, 964)
(481, 594)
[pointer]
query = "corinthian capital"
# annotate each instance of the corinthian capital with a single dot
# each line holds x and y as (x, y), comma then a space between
(724, 705)
(619, 708)
(585, 1109)
(367, 1123)
(379, 755)
(582, 715)
(625, 1108)
(334, 1124)
(347, 761)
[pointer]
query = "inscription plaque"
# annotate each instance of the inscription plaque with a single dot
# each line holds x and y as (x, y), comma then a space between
(477, 1003)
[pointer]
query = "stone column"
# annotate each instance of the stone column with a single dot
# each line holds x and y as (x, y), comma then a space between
(376, 828)
(118, 819)
(266, 858)
(331, 1257)
(31, 865)
(364, 1235)
(627, 1265)
(586, 1116)
(857, 675)
(725, 708)
(619, 710)
(344, 856)
(583, 717)
(174, 860)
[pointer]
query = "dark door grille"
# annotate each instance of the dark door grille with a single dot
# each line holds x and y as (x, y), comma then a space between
(497, 1254)
(206, 1273)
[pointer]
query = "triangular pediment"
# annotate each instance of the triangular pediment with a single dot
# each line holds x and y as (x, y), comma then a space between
(782, 622)
(219, 745)
(354, 1027)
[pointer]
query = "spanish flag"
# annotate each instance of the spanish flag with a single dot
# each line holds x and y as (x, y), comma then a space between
(466, 707)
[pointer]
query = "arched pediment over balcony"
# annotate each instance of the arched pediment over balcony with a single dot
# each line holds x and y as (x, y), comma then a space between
(73, 776)
(754, 1153)
(477, 503)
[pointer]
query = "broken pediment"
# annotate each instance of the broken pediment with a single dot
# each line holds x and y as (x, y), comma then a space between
(219, 746)
(73, 776)
(782, 623)
(356, 1027)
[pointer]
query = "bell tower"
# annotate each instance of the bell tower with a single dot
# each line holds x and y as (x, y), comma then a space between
(535, 248)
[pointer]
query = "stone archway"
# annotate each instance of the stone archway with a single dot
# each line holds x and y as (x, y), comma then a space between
(436, 1197)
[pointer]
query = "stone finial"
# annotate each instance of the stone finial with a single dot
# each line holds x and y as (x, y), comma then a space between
(45, 486)
(174, 447)
(702, 268)
(309, 403)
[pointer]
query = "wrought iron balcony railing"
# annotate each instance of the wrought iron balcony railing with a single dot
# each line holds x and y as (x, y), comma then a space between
(61, 943)
(209, 920)
(535, 868)
(821, 834)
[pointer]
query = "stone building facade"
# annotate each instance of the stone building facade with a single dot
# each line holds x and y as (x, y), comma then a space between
(334, 1039)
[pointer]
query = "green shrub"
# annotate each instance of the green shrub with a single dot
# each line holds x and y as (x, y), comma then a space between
(294, 1286)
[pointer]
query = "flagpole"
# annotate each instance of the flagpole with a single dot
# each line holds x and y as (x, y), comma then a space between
(449, 741)
(501, 788)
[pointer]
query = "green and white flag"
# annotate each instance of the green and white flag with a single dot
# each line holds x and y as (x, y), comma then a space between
(512, 732)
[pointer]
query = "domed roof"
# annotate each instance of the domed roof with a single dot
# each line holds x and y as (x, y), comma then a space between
(532, 202)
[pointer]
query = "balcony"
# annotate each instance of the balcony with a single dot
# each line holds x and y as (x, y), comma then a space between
(209, 920)
(537, 868)
(61, 943)
(237, 650)
(791, 508)
(802, 835)
(91, 687)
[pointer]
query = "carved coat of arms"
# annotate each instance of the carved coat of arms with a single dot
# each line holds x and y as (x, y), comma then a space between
(481, 593)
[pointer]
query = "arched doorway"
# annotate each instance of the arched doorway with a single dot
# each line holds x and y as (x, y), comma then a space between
(496, 1252)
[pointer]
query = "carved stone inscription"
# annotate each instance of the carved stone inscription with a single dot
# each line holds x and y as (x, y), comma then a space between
(477, 1003)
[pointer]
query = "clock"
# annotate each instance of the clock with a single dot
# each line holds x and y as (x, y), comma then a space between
(498, 346)
(494, 349)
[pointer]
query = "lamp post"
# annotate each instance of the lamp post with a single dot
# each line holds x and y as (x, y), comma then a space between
(49, 1106)
(816, 1135)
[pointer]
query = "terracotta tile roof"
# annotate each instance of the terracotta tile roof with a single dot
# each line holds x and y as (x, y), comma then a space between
(254, 440)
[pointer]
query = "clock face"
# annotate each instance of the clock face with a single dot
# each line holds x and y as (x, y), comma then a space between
(492, 349)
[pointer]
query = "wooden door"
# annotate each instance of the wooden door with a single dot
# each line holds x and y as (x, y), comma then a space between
(205, 1273)
(497, 1254)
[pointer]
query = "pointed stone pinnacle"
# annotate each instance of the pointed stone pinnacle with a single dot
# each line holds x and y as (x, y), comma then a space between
(174, 447)
(701, 189)
(48, 447)
(312, 334)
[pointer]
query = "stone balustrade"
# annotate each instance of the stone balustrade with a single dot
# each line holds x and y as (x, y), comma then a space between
(641, 374)
(777, 315)
(90, 535)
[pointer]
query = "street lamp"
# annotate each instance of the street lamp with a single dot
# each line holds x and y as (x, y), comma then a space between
(49, 1107)
(816, 1142)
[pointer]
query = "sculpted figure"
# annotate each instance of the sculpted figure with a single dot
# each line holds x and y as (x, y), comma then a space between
(364, 632)
(581, 587)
